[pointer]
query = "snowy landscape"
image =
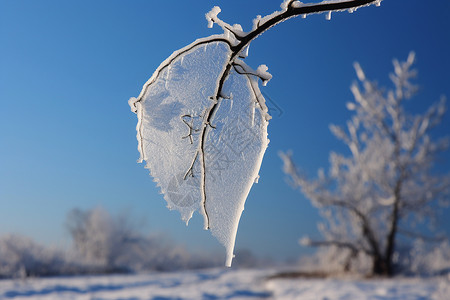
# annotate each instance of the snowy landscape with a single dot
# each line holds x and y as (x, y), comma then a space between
(222, 284)
(371, 224)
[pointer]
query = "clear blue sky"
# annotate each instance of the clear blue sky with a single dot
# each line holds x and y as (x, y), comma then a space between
(67, 136)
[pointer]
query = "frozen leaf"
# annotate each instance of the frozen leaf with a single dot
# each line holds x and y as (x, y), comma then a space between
(203, 151)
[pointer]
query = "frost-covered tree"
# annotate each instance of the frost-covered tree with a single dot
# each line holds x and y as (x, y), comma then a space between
(202, 120)
(377, 195)
(108, 243)
(100, 238)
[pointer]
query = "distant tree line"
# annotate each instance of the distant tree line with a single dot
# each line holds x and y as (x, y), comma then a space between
(101, 243)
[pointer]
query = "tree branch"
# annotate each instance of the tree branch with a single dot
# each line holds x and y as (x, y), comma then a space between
(433, 239)
(367, 230)
(340, 244)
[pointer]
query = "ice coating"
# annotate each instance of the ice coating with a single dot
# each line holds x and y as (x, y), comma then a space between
(287, 5)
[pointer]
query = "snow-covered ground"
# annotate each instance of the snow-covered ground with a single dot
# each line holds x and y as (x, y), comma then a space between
(220, 284)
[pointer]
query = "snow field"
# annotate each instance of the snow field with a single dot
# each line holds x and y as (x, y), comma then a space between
(221, 284)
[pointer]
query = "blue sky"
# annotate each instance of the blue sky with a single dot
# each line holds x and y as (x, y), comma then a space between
(67, 136)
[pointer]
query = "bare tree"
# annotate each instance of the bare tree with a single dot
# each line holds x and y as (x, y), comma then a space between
(386, 186)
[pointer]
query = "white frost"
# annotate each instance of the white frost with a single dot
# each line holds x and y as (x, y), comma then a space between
(211, 16)
(297, 4)
(263, 74)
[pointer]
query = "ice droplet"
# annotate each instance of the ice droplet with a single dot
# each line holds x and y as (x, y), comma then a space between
(244, 52)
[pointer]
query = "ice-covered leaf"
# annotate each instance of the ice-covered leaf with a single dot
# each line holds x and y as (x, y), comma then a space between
(204, 150)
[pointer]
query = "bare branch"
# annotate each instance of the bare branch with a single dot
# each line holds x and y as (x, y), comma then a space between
(339, 244)
(416, 235)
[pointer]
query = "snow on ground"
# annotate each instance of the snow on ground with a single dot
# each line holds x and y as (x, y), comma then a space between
(220, 284)
(328, 289)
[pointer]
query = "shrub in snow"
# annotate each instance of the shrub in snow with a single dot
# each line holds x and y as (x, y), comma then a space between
(427, 259)
(21, 257)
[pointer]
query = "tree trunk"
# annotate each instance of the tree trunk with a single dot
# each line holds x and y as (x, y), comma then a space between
(380, 266)
(390, 246)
